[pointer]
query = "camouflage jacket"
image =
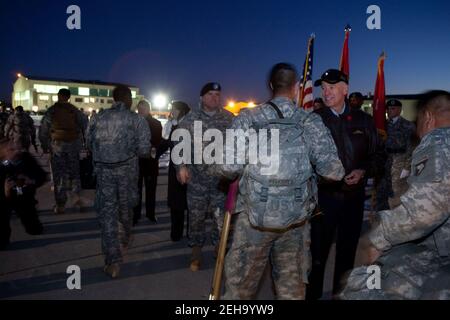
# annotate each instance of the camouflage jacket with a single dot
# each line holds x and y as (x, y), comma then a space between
(3, 120)
(221, 120)
(117, 135)
(425, 208)
(399, 141)
(319, 145)
(20, 124)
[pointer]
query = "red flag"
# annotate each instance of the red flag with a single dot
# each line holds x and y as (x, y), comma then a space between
(306, 87)
(344, 64)
(379, 103)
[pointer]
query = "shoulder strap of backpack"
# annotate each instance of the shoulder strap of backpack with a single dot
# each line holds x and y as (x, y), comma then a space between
(277, 110)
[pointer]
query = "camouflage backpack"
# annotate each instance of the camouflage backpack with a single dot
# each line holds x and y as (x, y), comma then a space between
(285, 198)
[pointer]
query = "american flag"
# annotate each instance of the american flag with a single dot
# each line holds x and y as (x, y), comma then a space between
(306, 87)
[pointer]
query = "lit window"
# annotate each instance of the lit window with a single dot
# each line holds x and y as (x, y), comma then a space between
(133, 94)
(86, 100)
(92, 100)
(43, 98)
(44, 88)
(83, 91)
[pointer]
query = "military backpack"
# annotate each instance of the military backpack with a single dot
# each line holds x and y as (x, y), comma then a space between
(283, 198)
(64, 123)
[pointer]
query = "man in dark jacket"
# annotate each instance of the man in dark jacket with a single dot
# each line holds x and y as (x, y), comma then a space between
(176, 192)
(148, 167)
(342, 203)
(20, 176)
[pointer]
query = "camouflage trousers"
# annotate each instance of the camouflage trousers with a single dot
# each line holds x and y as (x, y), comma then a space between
(116, 196)
(65, 166)
(399, 186)
(204, 201)
(408, 272)
(252, 249)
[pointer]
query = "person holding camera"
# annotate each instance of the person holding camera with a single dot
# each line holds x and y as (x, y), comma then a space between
(20, 177)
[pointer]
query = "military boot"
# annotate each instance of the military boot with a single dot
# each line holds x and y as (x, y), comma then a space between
(58, 209)
(77, 202)
(112, 270)
(196, 258)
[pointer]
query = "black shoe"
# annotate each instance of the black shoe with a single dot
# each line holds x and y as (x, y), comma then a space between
(152, 219)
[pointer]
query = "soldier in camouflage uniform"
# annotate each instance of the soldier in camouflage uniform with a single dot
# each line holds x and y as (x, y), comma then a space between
(20, 129)
(205, 194)
(399, 147)
(117, 137)
(3, 120)
(411, 243)
(263, 232)
(62, 133)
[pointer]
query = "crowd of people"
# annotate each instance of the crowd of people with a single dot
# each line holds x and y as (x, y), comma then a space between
(289, 218)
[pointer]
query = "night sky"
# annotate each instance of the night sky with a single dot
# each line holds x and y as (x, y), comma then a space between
(177, 46)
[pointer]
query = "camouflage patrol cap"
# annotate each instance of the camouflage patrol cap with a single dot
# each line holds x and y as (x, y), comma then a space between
(210, 86)
(393, 103)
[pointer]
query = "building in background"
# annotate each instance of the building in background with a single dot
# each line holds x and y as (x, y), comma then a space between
(39, 93)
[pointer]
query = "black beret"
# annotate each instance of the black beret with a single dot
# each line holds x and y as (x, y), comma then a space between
(393, 103)
(357, 95)
(210, 87)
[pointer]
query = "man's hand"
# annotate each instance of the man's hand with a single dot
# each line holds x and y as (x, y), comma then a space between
(184, 175)
(9, 185)
(354, 177)
(369, 251)
(26, 180)
(372, 254)
(404, 174)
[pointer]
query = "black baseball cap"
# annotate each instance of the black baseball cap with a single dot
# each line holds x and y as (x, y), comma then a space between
(331, 76)
(211, 86)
